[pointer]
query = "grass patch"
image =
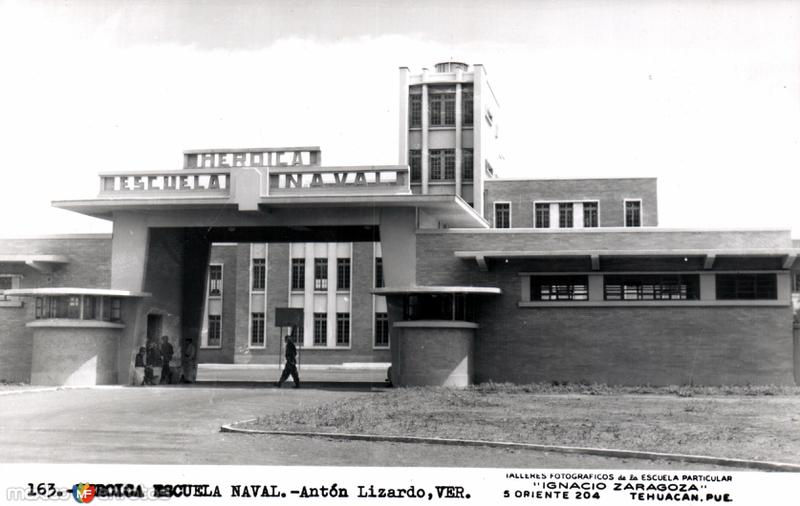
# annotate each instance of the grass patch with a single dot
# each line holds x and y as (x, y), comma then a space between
(740, 422)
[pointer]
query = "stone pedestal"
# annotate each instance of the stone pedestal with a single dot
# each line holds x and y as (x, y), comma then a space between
(432, 353)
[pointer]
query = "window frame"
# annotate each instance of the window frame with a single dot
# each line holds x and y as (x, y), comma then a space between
(322, 319)
(440, 101)
(297, 266)
(692, 282)
(263, 333)
(625, 213)
(555, 295)
(378, 321)
(467, 175)
(320, 283)
(494, 211)
(597, 213)
(415, 165)
(344, 283)
(738, 280)
(207, 343)
(221, 280)
(343, 325)
(563, 207)
(545, 206)
(258, 283)
(415, 113)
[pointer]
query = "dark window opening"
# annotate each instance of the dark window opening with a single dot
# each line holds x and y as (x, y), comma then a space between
(379, 283)
(214, 280)
(320, 274)
(502, 215)
(590, 215)
(458, 307)
(298, 274)
(747, 286)
(342, 273)
(320, 329)
(342, 329)
(381, 329)
(259, 274)
(542, 219)
(633, 213)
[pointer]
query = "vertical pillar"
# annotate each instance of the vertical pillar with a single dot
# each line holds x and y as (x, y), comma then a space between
(129, 251)
(425, 125)
(331, 295)
(458, 134)
(477, 135)
(308, 296)
(403, 141)
(399, 246)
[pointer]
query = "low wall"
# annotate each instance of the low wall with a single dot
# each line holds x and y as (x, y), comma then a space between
(74, 352)
(432, 353)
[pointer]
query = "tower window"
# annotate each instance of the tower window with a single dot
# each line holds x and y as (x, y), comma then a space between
(466, 164)
(415, 164)
(466, 108)
(415, 110)
(442, 109)
(215, 280)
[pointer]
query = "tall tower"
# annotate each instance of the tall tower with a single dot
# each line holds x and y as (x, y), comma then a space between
(448, 130)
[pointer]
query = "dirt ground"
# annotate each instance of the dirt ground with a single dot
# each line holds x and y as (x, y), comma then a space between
(760, 427)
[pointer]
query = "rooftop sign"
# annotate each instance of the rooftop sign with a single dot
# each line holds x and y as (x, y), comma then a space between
(252, 157)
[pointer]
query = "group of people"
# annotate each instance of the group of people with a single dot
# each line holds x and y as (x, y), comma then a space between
(156, 355)
(160, 355)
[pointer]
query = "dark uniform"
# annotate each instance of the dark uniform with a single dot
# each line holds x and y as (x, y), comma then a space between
(291, 365)
(166, 355)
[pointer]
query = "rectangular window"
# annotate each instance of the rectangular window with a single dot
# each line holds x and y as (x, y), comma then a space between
(256, 329)
(342, 329)
(379, 283)
(502, 215)
(415, 164)
(215, 280)
(415, 110)
(299, 333)
(214, 330)
(298, 274)
(89, 307)
(259, 274)
(435, 164)
(747, 286)
(549, 288)
(651, 287)
(40, 308)
(565, 219)
(442, 109)
(449, 164)
(320, 274)
(466, 107)
(797, 282)
(320, 329)
(590, 214)
(74, 307)
(542, 216)
(467, 162)
(381, 330)
(342, 273)
(633, 213)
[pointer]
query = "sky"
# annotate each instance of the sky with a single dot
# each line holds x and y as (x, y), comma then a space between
(703, 95)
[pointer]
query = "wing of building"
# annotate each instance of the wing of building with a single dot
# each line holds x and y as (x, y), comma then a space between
(436, 266)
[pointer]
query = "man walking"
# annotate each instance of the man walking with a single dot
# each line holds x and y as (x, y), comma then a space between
(166, 356)
(291, 363)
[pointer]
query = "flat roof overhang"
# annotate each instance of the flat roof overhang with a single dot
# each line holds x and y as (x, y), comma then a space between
(786, 256)
(56, 291)
(475, 290)
(452, 211)
(41, 263)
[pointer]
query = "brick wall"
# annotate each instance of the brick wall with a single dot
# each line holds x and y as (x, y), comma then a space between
(225, 255)
(89, 267)
(658, 345)
(74, 356)
(610, 193)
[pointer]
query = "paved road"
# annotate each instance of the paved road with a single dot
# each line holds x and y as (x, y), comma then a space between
(180, 425)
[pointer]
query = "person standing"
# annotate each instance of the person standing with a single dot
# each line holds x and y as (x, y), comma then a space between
(166, 356)
(291, 363)
(188, 366)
